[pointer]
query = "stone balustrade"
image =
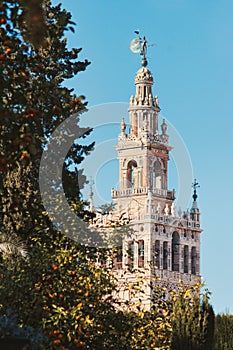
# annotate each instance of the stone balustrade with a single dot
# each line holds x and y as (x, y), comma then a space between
(174, 276)
(132, 191)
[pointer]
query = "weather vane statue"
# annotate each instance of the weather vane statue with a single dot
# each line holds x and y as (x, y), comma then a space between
(140, 45)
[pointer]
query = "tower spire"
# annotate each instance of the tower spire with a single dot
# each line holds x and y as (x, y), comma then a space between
(195, 214)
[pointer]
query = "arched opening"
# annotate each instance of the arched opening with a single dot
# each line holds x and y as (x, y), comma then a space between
(194, 260)
(186, 259)
(157, 175)
(175, 252)
(165, 255)
(131, 173)
(141, 253)
(157, 254)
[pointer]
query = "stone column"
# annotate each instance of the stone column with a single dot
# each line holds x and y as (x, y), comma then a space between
(169, 247)
(124, 255)
(135, 255)
(181, 258)
(198, 261)
(190, 260)
(147, 251)
(161, 255)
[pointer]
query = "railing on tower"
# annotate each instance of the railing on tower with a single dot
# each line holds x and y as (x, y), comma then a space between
(177, 276)
(132, 191)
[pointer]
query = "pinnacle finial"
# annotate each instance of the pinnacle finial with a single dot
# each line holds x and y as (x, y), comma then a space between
(123, 125)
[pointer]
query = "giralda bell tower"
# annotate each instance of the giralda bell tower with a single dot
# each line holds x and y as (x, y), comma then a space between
(164, 243)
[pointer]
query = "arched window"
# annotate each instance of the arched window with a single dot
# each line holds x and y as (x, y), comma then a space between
(141, 253)
(165, 255)
(186, 259)
(175, 252)
(194, 260)
(157, 254)
(131, 173)
(157, 175)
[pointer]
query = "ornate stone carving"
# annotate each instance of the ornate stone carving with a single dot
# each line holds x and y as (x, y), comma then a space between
(143, 75)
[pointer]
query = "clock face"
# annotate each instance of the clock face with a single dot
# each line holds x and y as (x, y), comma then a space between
(135, 45)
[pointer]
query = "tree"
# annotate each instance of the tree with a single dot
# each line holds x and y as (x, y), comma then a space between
(33, 103)
(223, 339)
(42, 289)
(60, 291)
(192, 319)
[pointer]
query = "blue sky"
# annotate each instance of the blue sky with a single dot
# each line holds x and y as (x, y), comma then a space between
(192, 65)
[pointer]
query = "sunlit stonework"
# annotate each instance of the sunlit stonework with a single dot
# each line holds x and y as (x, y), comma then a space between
(164, 243)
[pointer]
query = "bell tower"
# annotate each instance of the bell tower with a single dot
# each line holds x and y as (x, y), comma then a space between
(164, 243)
(143, 153)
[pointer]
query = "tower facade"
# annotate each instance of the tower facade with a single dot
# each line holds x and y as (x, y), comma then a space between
(163, 243)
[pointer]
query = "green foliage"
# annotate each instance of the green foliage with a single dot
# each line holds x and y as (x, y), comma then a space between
(192, 320)
(57, 287)
(223, 337)
(59, 290)
(106, 208)
(33, 102)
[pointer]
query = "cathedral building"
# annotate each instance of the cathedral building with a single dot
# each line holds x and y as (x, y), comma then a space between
(164, 244)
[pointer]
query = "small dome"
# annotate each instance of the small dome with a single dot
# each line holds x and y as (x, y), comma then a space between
(144, 76)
